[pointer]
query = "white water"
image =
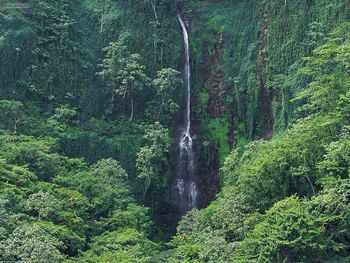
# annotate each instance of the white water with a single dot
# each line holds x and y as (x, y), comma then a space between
(193, 192)
(187, 73)
(181, 186)
(186, 185)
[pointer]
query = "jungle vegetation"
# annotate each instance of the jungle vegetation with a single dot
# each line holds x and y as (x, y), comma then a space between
(90, 92)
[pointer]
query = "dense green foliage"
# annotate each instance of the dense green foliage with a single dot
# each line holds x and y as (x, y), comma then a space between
(286, 200)
(90, 93)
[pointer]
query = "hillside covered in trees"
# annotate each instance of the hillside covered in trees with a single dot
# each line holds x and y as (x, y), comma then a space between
(175, 131)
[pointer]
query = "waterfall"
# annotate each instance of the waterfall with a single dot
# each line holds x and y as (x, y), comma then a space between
(187, 73)
(185, 181)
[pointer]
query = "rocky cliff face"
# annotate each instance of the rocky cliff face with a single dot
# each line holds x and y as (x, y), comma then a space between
(265, 96)
(206, 147)
(215, 85)
(237, 50)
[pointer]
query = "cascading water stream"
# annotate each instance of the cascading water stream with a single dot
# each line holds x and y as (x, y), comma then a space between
(187, 73)
(185, 182)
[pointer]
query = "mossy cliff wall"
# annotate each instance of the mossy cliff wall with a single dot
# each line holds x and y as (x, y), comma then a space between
(243, 57)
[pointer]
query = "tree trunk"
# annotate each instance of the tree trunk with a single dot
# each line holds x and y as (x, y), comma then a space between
(158, 115)
(312, 186)
(104, 11)
(132, 110)
(160, 109)
(308, 179)
(15, 128)
(153, 3)
(101, 25)
(112, 100)
(155, 47)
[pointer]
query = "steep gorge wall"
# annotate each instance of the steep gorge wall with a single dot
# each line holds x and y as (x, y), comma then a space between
(215, 84)
(245, 53)
(264, 116)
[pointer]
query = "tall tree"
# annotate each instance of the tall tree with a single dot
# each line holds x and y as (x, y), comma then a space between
(152, 157)
(125, 73)
(167, 85)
